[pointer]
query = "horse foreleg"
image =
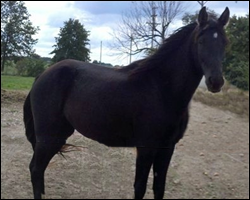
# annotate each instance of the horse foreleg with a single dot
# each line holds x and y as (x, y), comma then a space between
(42, 155)
(160, 168)
(144, 161)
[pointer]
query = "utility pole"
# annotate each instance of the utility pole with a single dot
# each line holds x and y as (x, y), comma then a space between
(101, 52)
(202, 3)
(130, 50)
(153, 27)
(153, 24)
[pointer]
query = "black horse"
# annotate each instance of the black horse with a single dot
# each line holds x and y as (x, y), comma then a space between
(143, 105)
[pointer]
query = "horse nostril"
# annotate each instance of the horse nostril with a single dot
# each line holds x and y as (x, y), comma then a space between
(216, 81)
(210, 80)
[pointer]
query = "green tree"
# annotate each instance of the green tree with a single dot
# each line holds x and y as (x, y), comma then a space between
(236, 66)
(16, 31)
(31, 66)
(191, 18)
(72, 42)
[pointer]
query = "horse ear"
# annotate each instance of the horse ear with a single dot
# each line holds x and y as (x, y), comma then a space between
(203, 17)
(224, 18)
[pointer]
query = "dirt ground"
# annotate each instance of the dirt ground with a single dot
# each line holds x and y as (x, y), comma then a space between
(211, 162)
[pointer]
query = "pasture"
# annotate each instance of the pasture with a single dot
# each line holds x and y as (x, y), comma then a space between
(16, 82)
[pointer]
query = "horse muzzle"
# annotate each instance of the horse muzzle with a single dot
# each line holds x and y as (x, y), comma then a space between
(214, 84)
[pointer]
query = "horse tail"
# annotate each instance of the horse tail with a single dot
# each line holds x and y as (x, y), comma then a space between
(29, 122)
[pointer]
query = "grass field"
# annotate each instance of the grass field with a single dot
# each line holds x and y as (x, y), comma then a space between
(16, 82)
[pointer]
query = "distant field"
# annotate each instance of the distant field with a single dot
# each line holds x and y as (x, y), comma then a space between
(16, 82)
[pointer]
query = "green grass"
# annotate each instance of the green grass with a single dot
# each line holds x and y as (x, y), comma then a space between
(16, 82)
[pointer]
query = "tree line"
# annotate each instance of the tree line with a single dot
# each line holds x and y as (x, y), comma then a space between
(17, 42)
(142, 29)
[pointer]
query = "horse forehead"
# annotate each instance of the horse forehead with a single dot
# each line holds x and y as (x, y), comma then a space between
(211, 24)
(212, 30)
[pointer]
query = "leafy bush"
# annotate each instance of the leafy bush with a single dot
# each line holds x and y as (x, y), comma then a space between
(10, 68)
(237, 58)
(237, 73)
(30, 67)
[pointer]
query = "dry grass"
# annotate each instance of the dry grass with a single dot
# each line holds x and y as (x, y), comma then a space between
(230, 98)
(11, 96)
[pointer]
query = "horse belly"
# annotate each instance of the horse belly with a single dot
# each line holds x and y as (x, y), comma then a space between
(115, 133)
(116, 141)
(112, 138)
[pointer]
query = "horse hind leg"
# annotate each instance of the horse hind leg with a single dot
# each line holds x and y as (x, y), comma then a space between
(45, 149)
(43, 153)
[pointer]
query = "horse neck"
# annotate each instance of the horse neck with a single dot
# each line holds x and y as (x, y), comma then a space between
(180, 76)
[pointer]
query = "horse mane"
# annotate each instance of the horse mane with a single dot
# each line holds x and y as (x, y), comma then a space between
(169, 46)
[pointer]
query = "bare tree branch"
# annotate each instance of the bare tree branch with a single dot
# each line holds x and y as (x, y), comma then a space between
(145, 25)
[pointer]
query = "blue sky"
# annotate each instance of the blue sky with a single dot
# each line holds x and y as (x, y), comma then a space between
(101, 19)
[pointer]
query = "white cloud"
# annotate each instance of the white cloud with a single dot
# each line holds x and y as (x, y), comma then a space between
(41, 13)
(100, 18)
